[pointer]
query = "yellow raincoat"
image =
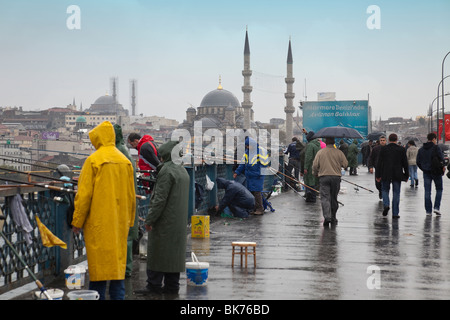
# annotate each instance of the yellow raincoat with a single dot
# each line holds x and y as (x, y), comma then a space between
(105, 205)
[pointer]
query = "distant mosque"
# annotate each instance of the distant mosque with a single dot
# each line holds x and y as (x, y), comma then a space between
(108, 104)
(222, 110)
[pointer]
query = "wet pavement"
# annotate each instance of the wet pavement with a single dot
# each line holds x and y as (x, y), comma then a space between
(365, 257)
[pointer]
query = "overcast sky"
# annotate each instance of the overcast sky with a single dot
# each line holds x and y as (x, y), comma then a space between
(176, 50)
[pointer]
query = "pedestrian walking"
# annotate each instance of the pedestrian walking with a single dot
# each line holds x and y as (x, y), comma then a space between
(431, 161)
(105, 206)
(373, 160)
(327, 165)
(255, 159)
(312, 181)
(166, 225)
(352, 158)
(411, 154)
(133, 235)
(392, 169)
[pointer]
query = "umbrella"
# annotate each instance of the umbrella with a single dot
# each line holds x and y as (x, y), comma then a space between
(338, 132)
(375, 135)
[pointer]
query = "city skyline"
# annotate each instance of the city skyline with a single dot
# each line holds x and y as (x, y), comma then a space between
(178, 49)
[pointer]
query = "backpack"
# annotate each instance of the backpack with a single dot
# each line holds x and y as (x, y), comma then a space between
(437, 165)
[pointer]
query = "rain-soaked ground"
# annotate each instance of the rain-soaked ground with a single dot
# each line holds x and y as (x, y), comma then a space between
(365, 257)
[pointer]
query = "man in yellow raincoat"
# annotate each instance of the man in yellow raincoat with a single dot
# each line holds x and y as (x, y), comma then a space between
(105, 209)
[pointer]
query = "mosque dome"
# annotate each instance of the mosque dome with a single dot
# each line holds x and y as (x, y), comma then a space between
(105, 100)
(81, 119)
(220, 98)
(106, 104)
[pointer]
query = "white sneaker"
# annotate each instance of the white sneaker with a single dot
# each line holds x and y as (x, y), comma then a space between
(428, 213)
(437, 212)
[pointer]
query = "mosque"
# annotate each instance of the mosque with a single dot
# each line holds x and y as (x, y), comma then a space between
(222, 110)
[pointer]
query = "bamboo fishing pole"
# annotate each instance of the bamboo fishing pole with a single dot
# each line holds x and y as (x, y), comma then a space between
(55, 188)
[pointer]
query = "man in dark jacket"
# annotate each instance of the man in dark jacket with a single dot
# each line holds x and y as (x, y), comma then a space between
(293, 150)
(373, 160)
(237, 198)
(424, 162)
(392, 168)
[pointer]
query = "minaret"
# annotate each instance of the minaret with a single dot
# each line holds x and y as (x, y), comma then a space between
(247, 88)
(289, 95)
(133, 97)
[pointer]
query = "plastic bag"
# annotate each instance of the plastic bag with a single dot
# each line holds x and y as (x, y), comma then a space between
(209, 184)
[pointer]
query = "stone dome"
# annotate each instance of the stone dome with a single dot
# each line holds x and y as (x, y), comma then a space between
(220, 98)
(105, 100)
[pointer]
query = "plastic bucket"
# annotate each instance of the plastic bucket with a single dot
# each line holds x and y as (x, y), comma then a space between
(196, 272)
(55, 294)
(83, 295)
(75, 276)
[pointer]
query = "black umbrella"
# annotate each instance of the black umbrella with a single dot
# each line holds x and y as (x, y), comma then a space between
(338, 132)
(375, 135)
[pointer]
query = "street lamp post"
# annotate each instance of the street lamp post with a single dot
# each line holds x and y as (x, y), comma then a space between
(437, 107)
(443, 112)
(430, 113)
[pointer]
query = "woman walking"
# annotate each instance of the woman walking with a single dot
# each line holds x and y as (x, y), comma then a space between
(411, 154)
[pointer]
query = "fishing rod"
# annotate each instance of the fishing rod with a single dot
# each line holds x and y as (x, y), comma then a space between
(31, 273)
(37, 175)
(55, 188)
(28, 163)
(29, 160)
(357, 185)
(46, 186)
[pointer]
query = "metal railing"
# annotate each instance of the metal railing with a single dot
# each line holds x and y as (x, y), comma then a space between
(50, 262)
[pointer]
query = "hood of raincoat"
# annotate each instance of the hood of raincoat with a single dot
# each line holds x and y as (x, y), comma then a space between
(223, 183)
(103, 135)
(165, 151)
(144, 139)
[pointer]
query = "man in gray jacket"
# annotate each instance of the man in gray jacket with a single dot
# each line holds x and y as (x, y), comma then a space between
(327, 165)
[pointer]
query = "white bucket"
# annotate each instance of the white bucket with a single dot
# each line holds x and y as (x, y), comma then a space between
(75, 276)
(83, 295)
(196, 272)
(55, 294)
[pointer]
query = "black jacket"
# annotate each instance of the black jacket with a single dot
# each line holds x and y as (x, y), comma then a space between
(424, 156)
(236, 197)
(392, 163)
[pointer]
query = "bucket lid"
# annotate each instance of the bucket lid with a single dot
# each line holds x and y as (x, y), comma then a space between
(75, 269)
(197, 265)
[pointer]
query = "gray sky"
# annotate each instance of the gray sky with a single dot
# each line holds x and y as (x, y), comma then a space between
(177, 49)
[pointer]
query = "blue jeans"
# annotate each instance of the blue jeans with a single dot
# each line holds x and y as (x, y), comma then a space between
(116, 289)
(427, 179)
(385, 188)
(413, 174)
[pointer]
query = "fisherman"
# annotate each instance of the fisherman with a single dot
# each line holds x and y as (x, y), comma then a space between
(327, 165)
(134, 230)
(255, 159)
(237, 201)
(166, 223)
(310, 179)
(105, 207)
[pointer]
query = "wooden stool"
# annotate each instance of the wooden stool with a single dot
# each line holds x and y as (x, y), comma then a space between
(243, 245)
